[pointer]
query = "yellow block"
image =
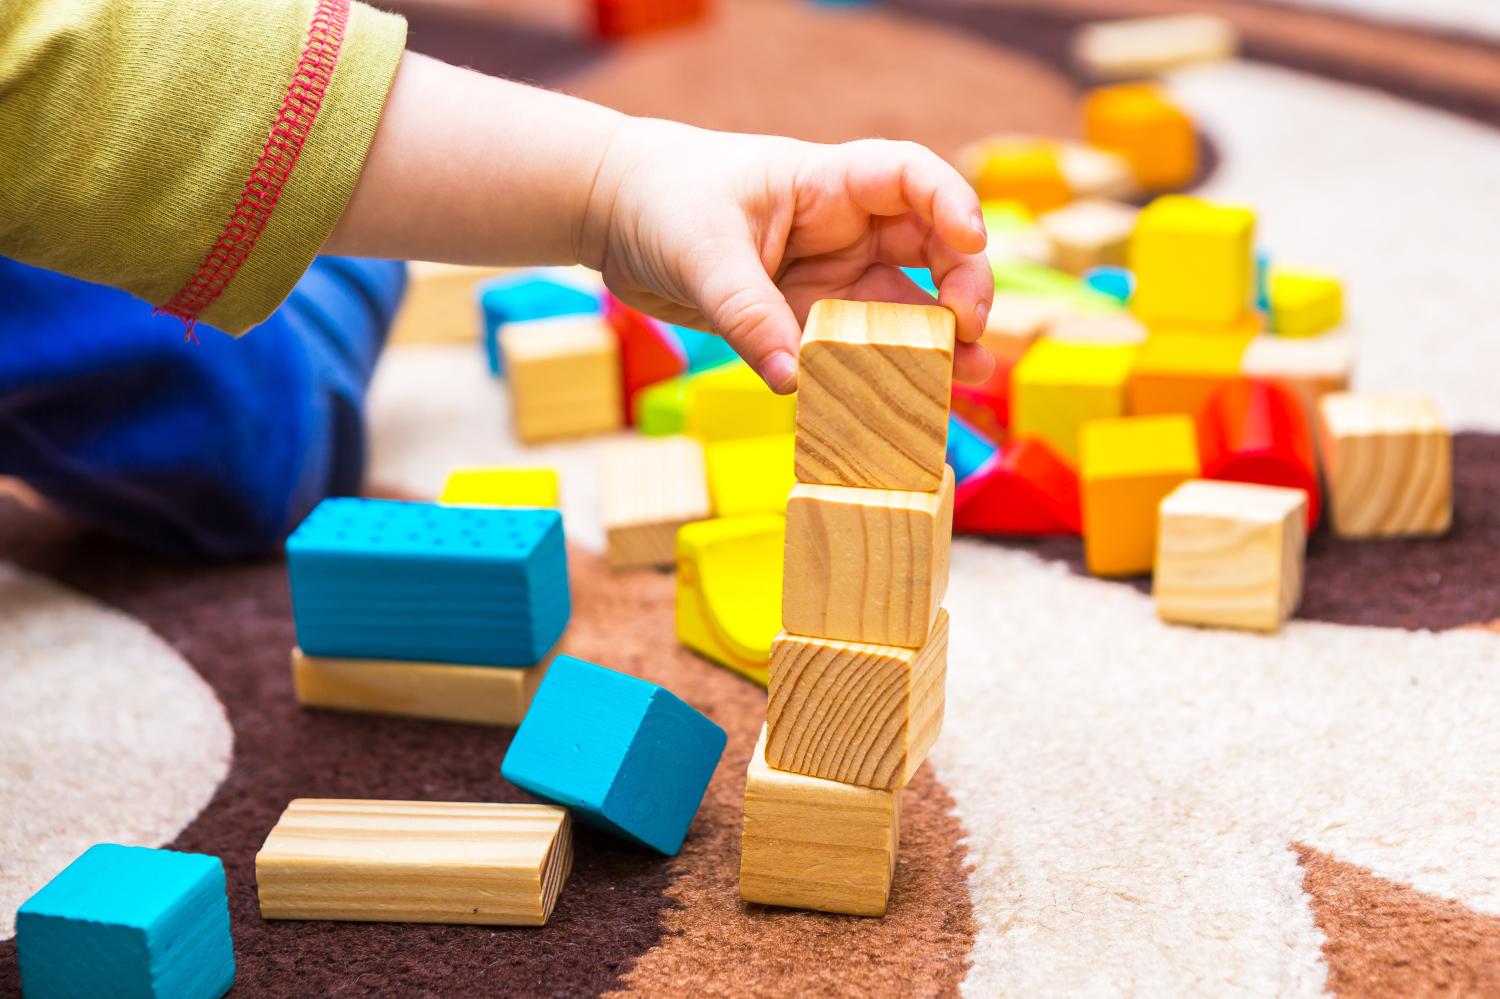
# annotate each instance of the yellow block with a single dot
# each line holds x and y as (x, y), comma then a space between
(1026, 172)
(1304, 303)
(1126, 466)
(729, 590)
(1138, 122)
(1058, 386)
(500, 487)
(1177, 372)
(731, 402)
(750, 474)
(1193, 262)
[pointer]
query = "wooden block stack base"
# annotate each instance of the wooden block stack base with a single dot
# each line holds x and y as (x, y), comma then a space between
(484, 695)
(415, 862)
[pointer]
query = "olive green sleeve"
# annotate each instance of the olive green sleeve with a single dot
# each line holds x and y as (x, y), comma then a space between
(195, 154)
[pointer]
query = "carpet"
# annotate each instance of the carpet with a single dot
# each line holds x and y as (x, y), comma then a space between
(1116, 807)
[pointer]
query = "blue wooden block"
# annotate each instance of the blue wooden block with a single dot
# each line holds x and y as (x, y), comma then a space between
(921, 276)
(1263, 281)
(701, 350)
(1116, 282)
(127, 921)
(969, 451)
(625, 755)
(517, 298)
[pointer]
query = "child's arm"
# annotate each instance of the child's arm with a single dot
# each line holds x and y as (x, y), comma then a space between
(737, 233)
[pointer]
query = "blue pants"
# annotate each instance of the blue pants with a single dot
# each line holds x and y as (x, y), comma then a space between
(215, 449)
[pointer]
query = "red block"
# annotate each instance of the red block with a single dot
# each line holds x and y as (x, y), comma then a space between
(618, 18)
(1029, 490)
(648, 352)
(986, 406)
(1256, 431)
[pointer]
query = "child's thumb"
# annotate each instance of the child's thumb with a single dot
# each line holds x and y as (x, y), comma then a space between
(744, 306)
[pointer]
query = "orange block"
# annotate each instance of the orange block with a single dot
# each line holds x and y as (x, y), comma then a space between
(1030, 173)
(1126, 467)
(1177, 372)
(1140, 123)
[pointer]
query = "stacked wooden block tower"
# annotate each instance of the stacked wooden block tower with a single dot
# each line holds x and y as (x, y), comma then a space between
(856, 676)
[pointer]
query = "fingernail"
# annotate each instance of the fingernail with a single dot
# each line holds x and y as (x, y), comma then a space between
(982, 310)
(780, 371)
(976, 222)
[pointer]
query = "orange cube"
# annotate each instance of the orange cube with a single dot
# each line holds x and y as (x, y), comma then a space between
(1028, 172)
(1140, 123)
(1177, 372)
(1126, 467)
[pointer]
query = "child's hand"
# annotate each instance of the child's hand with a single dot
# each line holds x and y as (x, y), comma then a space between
(742, 233)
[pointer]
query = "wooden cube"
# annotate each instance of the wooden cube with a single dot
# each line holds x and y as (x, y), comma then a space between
(1303, 303)
(1059, 386)
(1089, 233)
(564, 377)
(866, 565)
(1177, 372)
(872, 395)
(1125, 468)
(1016, 321)
(1193, 262)
(652, 486)
(1311, 367)
(1140, 123)
(1388, 460)
(483, 695)
(1147, 46)
(1230, 554)
(810, 843)
(415, 862)
(750, 474)
(852, 712)
(500, 487)
(732, 401)
(1098, 328)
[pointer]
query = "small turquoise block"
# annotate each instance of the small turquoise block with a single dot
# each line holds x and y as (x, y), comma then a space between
(703, 350)
(623, 754)
(127, 921)
(1263, 281)
(922, 277)
(517, 298)
(969, 451)
(1116, 282)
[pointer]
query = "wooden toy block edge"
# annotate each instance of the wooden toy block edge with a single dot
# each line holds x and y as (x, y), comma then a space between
(485, 695)
(651, 487)
(1405, 495)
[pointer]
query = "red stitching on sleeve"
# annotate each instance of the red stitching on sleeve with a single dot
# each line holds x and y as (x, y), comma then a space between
(299, 109)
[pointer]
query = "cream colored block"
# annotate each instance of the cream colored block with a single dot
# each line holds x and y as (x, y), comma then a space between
(1230, 554)
(1089, 233)
(1147, 46)
(1310, 367)
(564, 377)
(651, 487)
(1097, 173)
(441, 304)
(855, 713)
(485, 695)
(1015, 322)
(1098, 328)
(415, 862)
(810, 843)
(1388, 461)
(866, 565)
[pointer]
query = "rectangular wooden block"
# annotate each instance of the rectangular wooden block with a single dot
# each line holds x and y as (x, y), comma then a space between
(652, 486)
(1016, 321)
(866, 565)
(1147, 46)
(500, 487)
(852, 712)
(1177, 372)
(1230, 554)
(810, 843)
(415, 862)
(484, 695)
(1089, 233)
(564, 377)
(872, 398)
(1126, 467)
(1311, 367)
(1058, 386)
(1388, 460)
(1193, 262)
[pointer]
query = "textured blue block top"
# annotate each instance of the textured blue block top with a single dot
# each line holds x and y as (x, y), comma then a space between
(128, 921)
(353, 528)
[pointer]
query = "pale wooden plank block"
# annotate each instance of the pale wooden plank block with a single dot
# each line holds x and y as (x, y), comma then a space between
(1388, 460)
(485, 695)
(564, 377)
(415, 862)
(810, 843)
(1089, 233)
(651, 487)
(1147, 46)
(852, 712)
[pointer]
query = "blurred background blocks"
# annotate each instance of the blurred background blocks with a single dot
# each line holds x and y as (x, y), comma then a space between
(1193, 262)
(1125, 468)
(564, 378)
(1058, 387)
(1147, 46)
(500, 487)
(652, 486)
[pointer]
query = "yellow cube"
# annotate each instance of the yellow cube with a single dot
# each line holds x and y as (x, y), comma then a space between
(1177, 372)
(732, 401)
(1193, 262)
(1139, 122)
(500, 487)
(1058, 386)
(750, 474)
(1026, 172)
(1125, 468)
(1304, 303)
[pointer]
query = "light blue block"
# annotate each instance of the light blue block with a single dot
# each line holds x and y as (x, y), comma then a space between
(922, 277)
(701, 350)
(969, 451)
(126, 921)
(1116, 282)
(624, 755)
(517, 298)
(380, 579)
(1263, 281)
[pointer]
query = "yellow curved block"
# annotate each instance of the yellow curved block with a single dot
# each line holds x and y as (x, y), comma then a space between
(729, 590)
(500, 487)
(750, 474)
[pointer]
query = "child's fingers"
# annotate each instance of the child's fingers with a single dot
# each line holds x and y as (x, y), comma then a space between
(883, 283)
(892, 178)
(966, 284)
(972, 363)
(729, 284)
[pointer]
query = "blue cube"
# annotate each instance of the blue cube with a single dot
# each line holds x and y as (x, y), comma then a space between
(1116, 282)
(128, 921)
(624, 755)
(703, 351)
(517, 298)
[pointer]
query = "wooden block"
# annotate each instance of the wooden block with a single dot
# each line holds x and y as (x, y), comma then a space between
(1388, 460)
(1092, 172)
(729, 573)
(484, 695)
(1125, 468)
(1303, 303)
(441, 303)
(535, 293)
(1089, 233)
(1141, 124)
(810, 843)
(1030, 490)
(731, 402)
(855, 713)
(1310, 367)
(872, 399)
(1193, 263)
(1254, 431)
(1013, 233)
(1016, 321)
(1059, 386)
(127, 921)
(1147, 46)
(622, 754)
(415, 862)
(1098, 328)
(1177, 372)
(1230, 554)
(866, 565)
(750, 474)
(500, 487)
(652, 486)
(564, 378)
